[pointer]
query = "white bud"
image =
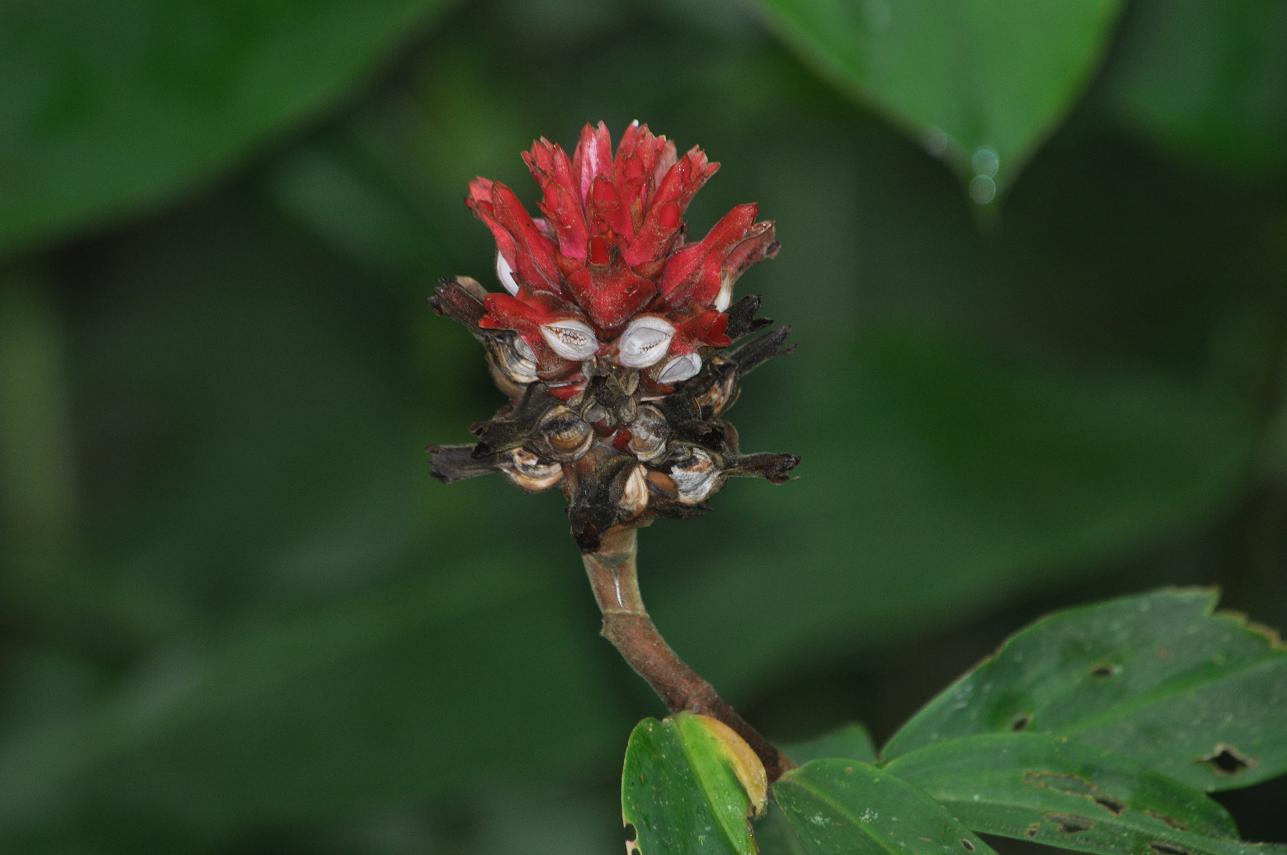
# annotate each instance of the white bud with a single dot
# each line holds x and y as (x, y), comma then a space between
(644, 342)
(725, 296)
(505, 274)
(680, 369)
(570, 339)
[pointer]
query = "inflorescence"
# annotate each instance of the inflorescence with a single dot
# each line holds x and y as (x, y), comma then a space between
(617, 342)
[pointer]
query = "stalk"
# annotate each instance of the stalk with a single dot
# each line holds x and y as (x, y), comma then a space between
(626, 623)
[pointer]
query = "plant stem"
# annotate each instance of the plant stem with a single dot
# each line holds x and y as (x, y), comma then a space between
(626, 623)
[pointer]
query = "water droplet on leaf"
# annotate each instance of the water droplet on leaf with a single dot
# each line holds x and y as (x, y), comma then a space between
(982, 189)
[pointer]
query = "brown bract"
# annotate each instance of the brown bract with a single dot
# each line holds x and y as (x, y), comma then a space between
(623, 451)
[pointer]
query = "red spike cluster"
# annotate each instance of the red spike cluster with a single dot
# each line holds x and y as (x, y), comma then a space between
(612, 341)
(605, 273)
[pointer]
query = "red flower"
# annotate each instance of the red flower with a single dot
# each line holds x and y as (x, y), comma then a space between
(606, 273)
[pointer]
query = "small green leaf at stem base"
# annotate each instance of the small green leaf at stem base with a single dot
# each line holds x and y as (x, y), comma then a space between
(684, 788)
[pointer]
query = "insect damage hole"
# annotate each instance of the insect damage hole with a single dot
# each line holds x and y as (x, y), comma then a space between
(969, 847)
(1105, 670)
(632, 837)
(1112, 805)
(1070, 824)
(1227, 760)
(1021, 722)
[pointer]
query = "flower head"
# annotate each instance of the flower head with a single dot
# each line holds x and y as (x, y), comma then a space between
(608, 335)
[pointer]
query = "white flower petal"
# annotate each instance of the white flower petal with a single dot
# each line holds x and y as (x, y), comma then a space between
(505, 274)
(644, 342)
(570, 339)
(680, 369)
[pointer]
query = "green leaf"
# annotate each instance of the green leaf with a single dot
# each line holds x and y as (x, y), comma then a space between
(981, 82)
(1223, 104)
(774, 836)
(851, 742)
(1055, 791)
(681, 791)
(1157, 677)
(841, 807)
(110, 108)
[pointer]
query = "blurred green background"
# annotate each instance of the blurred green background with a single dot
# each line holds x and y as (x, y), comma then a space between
(1035, 255)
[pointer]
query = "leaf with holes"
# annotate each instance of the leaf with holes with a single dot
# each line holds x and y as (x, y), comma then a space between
(843, 807)
(851, 742)
(1057, 792)
(690, 785)
(1194, 695)
(978, 81)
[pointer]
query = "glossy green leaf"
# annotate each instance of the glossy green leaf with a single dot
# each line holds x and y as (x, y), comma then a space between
(1058, 792)
(851, 742)
(1157, 677)
(774, 836)
(981, 82)
(680, 791)
(1223, 104)
(108, 108)
(842, 807)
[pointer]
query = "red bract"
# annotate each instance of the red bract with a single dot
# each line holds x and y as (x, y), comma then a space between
(610, 250)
